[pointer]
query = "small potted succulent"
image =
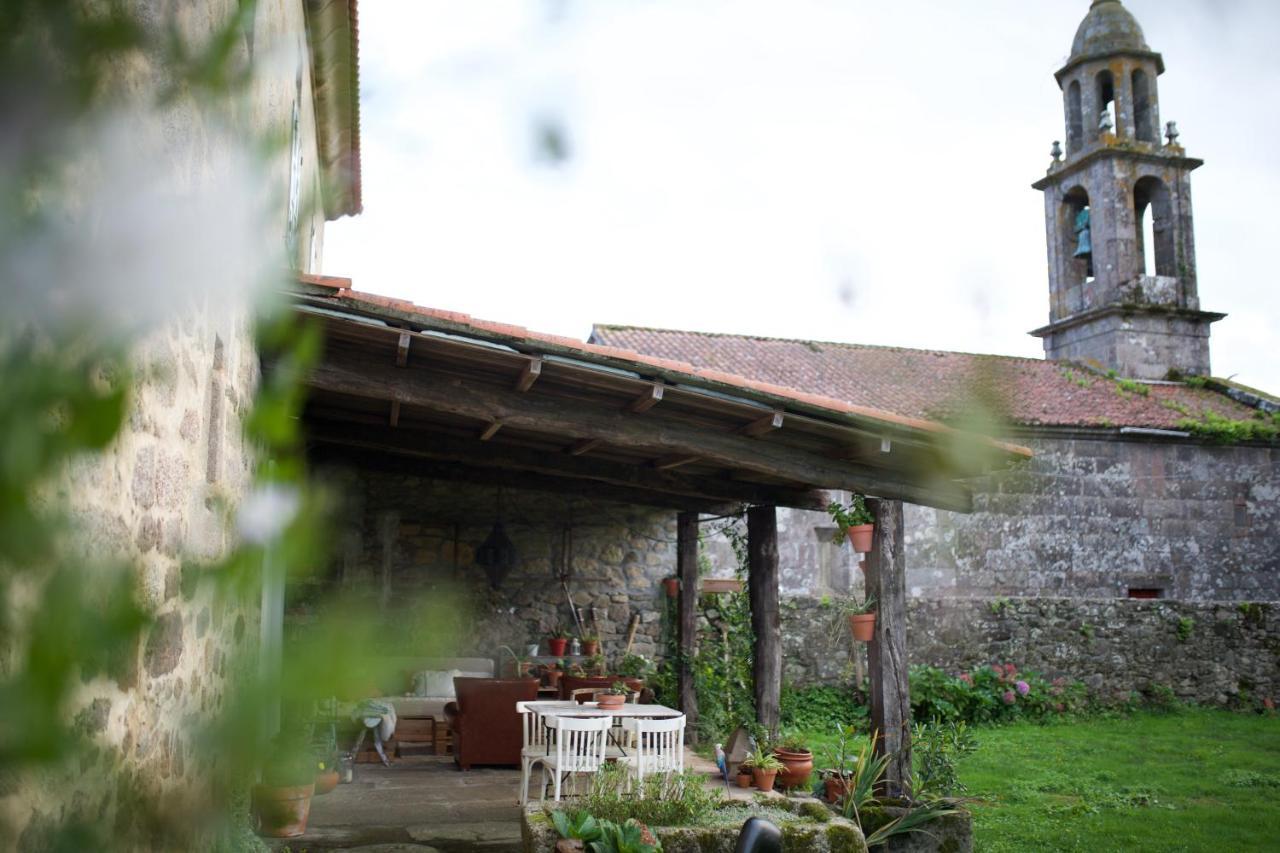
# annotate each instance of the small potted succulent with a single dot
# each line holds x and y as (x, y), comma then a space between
(590, 645)
(326, 773)
(614, 697)
(672, 586)
(797, 761)
(282, 801)
(855, 522)
(744, 775)
(554, 672)
(557, 642)
(764, 768)
(862, 618)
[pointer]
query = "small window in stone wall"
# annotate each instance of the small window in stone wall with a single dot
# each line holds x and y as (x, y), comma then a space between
(1145, 592)
(832, 570)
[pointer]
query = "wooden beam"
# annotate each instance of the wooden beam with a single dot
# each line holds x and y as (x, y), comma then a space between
(677, 460)
(361, 376)
(454, 472)
(402, 350)
(645, 401)
(528, 376)
(509, 458)
(687, 619)
(490, 431)
(395, 413)
(766, 624)
(585, 445)
(762, 426)
(887, 652)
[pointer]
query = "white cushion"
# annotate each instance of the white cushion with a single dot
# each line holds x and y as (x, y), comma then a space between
(437, 683)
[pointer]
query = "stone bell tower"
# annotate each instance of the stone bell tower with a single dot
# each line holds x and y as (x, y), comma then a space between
(1122, 263)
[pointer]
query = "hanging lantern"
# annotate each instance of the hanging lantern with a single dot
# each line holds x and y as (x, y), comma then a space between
(497, 556)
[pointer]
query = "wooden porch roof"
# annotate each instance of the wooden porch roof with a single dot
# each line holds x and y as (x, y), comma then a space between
(457, 398)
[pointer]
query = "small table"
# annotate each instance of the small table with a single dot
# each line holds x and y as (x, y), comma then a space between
(551, 710)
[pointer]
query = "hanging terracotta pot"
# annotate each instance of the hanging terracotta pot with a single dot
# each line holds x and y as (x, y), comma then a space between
(863, 626)
(672, 586)
(860, 536)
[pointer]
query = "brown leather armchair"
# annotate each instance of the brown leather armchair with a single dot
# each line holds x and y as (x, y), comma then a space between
(484, 722)
(570, 683)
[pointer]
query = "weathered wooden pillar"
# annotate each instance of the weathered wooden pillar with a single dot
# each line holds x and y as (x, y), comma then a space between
(887, 653)
(762, 586)
(687, 617)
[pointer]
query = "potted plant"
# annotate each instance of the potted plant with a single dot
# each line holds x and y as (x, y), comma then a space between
(764, 768)
(590, 645)
(557, 642)
(797, 762)
(836, 780)
(614, 697)
(862, 618)
(744, 775)
(520, 665)
(672, 586)
(595, 665)
(282, 801)
(326, 774)
(634, 666)
(554, 673)
(855, 521)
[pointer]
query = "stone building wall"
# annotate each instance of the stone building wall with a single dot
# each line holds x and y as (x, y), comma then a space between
(158, 497)
(1206, 652)
(1090, 518)
(408, 555)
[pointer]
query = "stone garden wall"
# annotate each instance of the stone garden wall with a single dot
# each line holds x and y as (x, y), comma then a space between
(1206, 652)
(407, 554)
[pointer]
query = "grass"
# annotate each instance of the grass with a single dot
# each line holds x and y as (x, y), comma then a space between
(1187, 780)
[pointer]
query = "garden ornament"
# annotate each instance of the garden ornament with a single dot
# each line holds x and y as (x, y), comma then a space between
(759, 836)
(723, 764)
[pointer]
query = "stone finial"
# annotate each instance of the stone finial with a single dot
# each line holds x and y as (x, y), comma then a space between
(1171, 132)
(1104, 122)
(1056, 151)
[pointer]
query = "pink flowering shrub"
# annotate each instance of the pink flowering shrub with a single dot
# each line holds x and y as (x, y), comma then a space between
(992, 693)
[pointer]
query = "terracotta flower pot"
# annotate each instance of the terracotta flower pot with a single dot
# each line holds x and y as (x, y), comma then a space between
(326, 781)
(763, 778)
(744, 779)
(834, 788)
(610, 700)
(557, 645)
(590, 648)
(860, 537)
(282, 812)
(672, 586)
(863, 626)
(797, 767)
(553, 677)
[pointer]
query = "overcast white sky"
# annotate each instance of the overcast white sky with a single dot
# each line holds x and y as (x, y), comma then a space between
(853, 171)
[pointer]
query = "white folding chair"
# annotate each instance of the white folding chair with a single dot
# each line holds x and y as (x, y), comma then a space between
(579, 748)
(535, 745)
(657, 746)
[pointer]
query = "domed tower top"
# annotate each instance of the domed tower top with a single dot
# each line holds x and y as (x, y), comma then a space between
(1108, 30)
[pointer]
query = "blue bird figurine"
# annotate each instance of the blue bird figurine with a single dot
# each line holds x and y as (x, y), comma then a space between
(723, 764)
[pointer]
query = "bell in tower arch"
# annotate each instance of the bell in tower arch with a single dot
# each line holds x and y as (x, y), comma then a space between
(1084, 243)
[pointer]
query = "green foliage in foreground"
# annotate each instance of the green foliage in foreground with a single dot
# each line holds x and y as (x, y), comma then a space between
(1194, 780)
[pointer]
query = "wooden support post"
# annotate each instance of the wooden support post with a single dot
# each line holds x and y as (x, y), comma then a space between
(528, 376)
(687, 618)
(762, 586)
(887, 653)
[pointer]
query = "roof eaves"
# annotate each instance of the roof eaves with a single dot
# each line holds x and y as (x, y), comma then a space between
(333, 36)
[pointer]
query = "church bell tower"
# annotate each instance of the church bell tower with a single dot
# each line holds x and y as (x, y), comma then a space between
(1122, 263)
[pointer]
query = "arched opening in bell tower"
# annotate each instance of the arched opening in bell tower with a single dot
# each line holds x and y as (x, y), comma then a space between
(1153, 213)
(1106, 104)
(1075, 118)
(1077, 235)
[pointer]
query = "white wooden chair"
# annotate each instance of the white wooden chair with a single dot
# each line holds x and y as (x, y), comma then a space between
(535, 745)
(656, 746)
(579, 748)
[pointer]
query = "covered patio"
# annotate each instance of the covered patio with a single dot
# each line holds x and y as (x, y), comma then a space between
(492, 420)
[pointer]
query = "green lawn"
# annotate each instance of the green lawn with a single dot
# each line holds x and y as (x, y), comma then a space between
(1191, 780)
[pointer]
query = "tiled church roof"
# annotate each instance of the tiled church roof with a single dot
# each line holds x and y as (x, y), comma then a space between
(933, 384)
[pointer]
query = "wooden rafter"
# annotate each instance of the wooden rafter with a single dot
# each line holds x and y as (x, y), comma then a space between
(585, 445)
(763, 426)
(675, 460)
(646, 401)
(402, 349)
(490, 431)
(529, 375)
(395, 413)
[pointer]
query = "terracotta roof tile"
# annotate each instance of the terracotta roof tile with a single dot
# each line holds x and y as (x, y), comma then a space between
(930, 384)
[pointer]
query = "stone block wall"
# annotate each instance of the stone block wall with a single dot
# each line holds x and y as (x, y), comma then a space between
(408, 554)
(1206, 652)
